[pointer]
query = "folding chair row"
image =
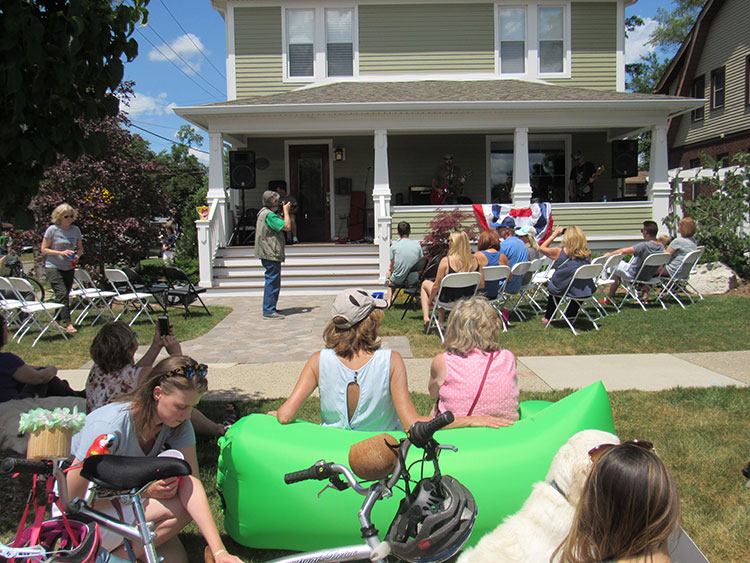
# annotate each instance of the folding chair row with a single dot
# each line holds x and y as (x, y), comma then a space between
(679, 281)
(587, 272)
(127, 295)
(463, 283)
(645, 276)
(90, 297)
(30, 313)
(181, 290)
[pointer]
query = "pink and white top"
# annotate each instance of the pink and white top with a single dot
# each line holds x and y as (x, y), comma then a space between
(463, 376)
(102, 387)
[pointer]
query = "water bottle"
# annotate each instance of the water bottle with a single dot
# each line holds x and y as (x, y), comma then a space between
(604, 197)
(73, 260)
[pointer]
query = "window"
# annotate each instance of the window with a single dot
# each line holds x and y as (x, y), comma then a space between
(722, 160)
(512, 22)
(319, 43)
(699, 91)
(717, 88)
(695, 162)
(551, 42)
(339, 44)
(546, 168)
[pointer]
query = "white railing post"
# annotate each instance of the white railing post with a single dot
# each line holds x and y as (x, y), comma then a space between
(659, 188)
(521, 195)
(212, 233)
(381, 196)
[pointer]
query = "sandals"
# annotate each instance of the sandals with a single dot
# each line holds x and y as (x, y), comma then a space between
(230, 415)
(70, 329)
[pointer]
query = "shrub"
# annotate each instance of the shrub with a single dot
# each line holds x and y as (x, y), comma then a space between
(440, 228)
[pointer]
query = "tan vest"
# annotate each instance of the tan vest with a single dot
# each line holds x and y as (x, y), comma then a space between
(269, 244)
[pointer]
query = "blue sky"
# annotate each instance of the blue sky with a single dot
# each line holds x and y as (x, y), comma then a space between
(181, 62)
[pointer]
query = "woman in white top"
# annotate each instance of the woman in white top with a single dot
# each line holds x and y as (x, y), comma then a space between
(361, 386)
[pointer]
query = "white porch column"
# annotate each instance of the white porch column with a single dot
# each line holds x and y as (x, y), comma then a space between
(212, 233)
(381, 196)
(521, 195)
(659, 188)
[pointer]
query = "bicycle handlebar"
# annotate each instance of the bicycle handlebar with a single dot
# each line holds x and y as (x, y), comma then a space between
(18, 465)
(320, 471)
(421, 433)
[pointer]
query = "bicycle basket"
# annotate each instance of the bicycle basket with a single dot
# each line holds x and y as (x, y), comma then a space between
(433, 522)
(81, 547)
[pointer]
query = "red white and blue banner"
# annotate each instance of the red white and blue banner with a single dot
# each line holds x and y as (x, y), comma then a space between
(538, 215)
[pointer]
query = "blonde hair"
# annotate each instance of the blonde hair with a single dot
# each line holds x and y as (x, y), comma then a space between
(574, 242)
(60, 210)
(362, 337)
(473, 323)
(143, 403)
(628, 508)
(460, 248)
(531, 241)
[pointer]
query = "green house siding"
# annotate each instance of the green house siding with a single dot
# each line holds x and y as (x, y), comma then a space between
(257, 48)
(593, 43)
(426, 38)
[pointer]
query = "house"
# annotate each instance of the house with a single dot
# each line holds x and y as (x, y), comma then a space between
(712, 63)
(353, 103)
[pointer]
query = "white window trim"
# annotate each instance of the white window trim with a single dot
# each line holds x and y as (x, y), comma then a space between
(532, 62)
(489, 139)
(320, 70)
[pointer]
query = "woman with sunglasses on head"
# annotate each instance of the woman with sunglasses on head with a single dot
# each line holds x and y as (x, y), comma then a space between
(115, 371)
(62, 247)
(628, 509)
(155, 414)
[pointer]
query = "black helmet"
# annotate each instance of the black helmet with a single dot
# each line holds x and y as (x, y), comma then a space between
(433, 522)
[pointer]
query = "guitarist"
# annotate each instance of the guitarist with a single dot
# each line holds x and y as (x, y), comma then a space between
(447, 182)
(582, 177)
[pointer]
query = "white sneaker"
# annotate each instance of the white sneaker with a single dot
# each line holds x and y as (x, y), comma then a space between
(295, 240)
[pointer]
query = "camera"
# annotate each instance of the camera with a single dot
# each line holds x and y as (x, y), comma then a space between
(163, 325)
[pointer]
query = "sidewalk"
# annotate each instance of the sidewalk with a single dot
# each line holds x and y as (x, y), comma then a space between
(250, 357)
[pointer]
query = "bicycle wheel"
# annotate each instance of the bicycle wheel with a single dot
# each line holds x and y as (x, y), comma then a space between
(38, 287)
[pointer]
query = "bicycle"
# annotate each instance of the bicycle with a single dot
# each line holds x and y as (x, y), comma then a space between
(433, 522)
(74, 536)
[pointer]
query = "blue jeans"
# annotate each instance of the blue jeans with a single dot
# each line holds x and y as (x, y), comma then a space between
(273, 285)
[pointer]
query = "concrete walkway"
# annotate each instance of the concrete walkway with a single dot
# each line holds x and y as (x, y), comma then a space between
(250, 357)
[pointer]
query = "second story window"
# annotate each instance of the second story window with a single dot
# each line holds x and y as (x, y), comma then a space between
(699, 91)
(319, 43)
(512, 22)
(551, 39)
(717, 88)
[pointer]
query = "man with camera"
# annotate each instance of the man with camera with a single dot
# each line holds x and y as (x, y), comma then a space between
(281, 190)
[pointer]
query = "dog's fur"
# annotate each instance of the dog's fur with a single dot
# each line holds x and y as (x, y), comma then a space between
(534, 532)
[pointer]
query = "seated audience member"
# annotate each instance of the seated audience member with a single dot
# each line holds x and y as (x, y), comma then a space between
(640, 251)
(628, 509)
(115, 371)
(514, 250)
(488, 254)
(19, 380)
(527, 234)
(459, 259)
(474, 376)
(680, 247)
(362, 387)
(404, 254)
(664, 240)
(573, 254)
(155, 417)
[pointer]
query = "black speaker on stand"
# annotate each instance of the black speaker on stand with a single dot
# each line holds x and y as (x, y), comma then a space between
(625, 158)
(242, 177)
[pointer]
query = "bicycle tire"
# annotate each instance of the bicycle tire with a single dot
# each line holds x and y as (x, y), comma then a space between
(39, 292)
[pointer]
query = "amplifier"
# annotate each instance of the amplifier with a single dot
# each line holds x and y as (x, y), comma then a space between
(419, 195)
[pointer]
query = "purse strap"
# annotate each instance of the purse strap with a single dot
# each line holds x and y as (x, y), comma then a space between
(481, 385)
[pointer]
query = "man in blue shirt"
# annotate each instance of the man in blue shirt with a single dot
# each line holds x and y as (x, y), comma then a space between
(512, 250)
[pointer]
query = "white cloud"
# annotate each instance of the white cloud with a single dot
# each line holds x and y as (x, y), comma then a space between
(143, 104)
(184, 51)
(635, 43)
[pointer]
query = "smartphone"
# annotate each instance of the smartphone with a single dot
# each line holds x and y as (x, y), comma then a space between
(163, 325)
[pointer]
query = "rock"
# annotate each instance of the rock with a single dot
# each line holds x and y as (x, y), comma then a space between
(713, 278)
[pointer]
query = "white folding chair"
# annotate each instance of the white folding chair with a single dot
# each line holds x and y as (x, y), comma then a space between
(127, 295)
(517, 271)
(468, 281)
(93, 298)
(605, 279)
(499, 274)
(541, 278)
(528, 290)
(38, 314)
(679, 281)
(644, 276)
(9, 305)
(583, 273)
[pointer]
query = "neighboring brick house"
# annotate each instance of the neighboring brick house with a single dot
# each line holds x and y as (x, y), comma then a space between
(366, 96)
(712, 63)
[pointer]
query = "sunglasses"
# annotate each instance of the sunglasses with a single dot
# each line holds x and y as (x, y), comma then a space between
(67, 216)
(199, 370)
(595, 453)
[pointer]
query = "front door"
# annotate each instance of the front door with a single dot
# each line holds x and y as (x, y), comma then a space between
(309, 183)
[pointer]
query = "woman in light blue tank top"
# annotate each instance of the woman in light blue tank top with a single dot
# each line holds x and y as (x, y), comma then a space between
(361, 386)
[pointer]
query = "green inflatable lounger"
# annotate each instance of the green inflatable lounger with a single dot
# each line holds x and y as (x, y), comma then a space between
(499, 466)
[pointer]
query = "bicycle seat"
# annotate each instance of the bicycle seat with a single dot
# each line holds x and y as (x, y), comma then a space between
(119, 472)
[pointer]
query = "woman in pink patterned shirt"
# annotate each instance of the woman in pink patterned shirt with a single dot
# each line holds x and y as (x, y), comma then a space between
(475, 376)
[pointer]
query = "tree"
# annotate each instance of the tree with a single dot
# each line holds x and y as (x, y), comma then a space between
(60, 63)
(116, 195)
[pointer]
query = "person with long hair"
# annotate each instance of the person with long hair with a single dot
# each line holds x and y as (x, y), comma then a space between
(362, 387)
(488, 254)
(474, 376)
(459, 259)
(153, 415)
(573, 253)
(62, 247)
(115, 371)
(628, 509)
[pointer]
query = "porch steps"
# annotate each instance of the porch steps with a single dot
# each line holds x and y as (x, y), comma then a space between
(309, 269)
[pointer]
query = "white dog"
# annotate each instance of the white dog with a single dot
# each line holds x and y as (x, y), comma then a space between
(534, 532)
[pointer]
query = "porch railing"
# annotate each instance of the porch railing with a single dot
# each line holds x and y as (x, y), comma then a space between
(211, 236)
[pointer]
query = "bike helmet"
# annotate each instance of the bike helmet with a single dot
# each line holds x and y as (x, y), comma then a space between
(62, 547)
(433, 522)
